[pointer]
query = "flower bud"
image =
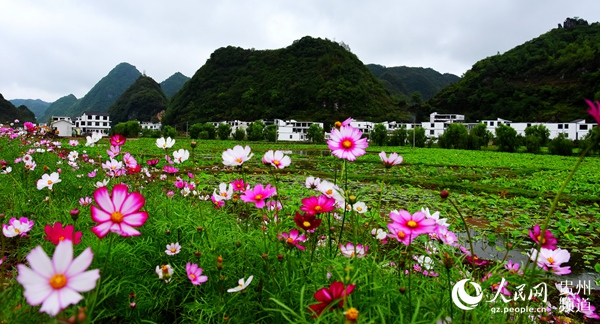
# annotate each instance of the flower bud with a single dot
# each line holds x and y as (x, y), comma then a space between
(444, 194)
(197, 253)
(402, 290)
(74, 213)
(193, 144)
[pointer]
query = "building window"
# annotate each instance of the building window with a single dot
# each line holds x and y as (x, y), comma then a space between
(291, 136)
(431, 132)
(491, 123)
(566, 126)
(560, 126)
(528, 125)
(97, 117)
(583, 127)
(104, 124)
(432, 125)
(97, 124)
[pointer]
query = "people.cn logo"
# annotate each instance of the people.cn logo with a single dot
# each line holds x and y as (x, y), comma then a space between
(462, 299)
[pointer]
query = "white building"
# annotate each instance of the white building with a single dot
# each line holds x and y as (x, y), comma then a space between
(149, 125)
(62, 127)
(93, 122)
(573, 130)
(434, 117)
(292, 130)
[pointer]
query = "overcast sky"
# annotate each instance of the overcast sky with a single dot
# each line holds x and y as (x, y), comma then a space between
(52, 48)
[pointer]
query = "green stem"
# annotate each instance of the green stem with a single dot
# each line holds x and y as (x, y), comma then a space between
(468, 236)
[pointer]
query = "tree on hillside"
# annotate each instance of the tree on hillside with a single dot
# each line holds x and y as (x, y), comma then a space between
(398, 137)
(195, 130)
(506, 138)
(315, 134)
(254, 131)
(417, 137)
(535, 137)
(456, 136)
(270, 133)
(210, 130)
(561, 145)
(379, 135)
(479, 136)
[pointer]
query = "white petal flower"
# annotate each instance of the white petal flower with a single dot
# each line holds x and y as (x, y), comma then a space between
(241, 284)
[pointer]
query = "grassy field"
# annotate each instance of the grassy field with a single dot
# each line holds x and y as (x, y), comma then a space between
(500, 196)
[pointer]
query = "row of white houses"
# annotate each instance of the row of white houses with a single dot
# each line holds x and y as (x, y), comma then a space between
(89, 122)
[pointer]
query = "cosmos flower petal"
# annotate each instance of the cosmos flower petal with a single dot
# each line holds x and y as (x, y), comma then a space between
(135, 219)
(51, 304)
(101, 229)
(81, 263)
(133, 203)
(103, 199)
(99, 215)
(84, 281)
(40, 262)
(120, 193)
(63, 256)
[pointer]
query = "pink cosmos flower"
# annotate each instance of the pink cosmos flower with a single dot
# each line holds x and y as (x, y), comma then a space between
(550, 260)
(350, 250)
(57, 233)
(276, 159)
(317, 205)
(399, 233)
(113, 151)
(117, 140)
(85, 201)
(414, 224)
(346, 143)
(258, 195)
(217, 203)
(389, 162)
(92, 174)
(129, 160)
(293, 239)
(334, 296)
(548, 240)
(57, 283)
(274, 205)
(195, 274)
(170, 169)
(119, 212)
(594, 110)
(312, 183)
(584, 306)
(513, 268)
(238, 185)
(445, 235)
(236, 156)
(17, 227)
(502, 286)
(152, 162)
(73, 143)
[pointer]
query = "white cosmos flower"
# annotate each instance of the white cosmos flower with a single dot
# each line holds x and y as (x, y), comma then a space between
(165, 144)
(47, 181)
(225, 192)
(241, 284)
(360, 207)
(101, 184)
(435, 216)
(181, 156)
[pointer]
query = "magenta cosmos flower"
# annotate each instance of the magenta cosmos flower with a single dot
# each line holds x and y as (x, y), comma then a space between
(414, 224)
(547, 241)
(195, 274)
(237, 156)
(276, 159)
(119, 212)
(258, 195)
(346, 143)
(57, 283)
(117, 140)
(57, 233)
(393, 159)
(594, 110)
(293, 239)
(317, 205)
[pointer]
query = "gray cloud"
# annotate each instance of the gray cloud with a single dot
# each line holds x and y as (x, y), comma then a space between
(54, 48)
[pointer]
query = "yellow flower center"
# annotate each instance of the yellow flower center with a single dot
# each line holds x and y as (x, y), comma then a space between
(401, 235)
(192, 276)
(318, 208)
(58, 281)
(290, 240)
(238, 160)
(116, 217)
(550, 260)
(17, 230)
(165, 269)
(411, 224)
(276, 162)
(337, 124)
(258, 197)
(173, 250)
(306, 224)
(359, 209)
(62, 238)
(347, 144)
(351, 314)
(49, 182)
(224, 194)
(541, 239)
(165, 144)
(329, 192)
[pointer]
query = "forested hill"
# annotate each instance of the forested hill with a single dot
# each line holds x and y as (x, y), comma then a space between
(404, 81)
(8, 112)
(173, 84)
(142, 100)
(36, 106)
(312, 79)
(58, 108)
(545, 79)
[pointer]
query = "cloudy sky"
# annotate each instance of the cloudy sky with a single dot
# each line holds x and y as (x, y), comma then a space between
(52, 48)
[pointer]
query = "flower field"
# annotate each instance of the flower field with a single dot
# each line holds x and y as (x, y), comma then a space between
(116, 230)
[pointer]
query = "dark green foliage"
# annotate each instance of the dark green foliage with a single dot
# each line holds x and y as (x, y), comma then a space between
(544, 79)
(479, 136)
(540, 131)
(173, 84)
(270, 133)
(591, 139)
(169, 131)
(239, 134)
(561, 146)
(255, 131)
(312, 79)
(533, 144)
(195, 130)
(417, 137)
(146, 132)
(203, 135)
(379, 135)
(210, 130)
(8, 112)
(106, 91)
(36, 106)
(315, 134)
(456, 136)
(403, 81)
(224, 131)
(398, 137)
(128, 129)
(58, 108)
(142, 100)
(506, 138)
